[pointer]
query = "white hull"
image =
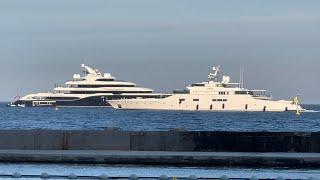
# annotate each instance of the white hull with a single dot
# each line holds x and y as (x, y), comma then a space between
(207, 103)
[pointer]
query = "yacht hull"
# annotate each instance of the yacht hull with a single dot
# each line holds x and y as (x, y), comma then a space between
(207, 103)
(95, 101)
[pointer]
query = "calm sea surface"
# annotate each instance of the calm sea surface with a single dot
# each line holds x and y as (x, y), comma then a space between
(101, 118)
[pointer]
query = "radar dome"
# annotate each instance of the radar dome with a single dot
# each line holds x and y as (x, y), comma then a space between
(76, 76)
(225, 79)
(107, 75)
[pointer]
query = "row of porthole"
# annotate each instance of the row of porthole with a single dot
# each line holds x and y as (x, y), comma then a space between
(246, 107)
(265, 108)
(211, 106)
(223, 107)
(197, 100)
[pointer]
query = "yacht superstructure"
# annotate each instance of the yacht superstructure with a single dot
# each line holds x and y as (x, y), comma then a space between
(212, 95)
(92, 89)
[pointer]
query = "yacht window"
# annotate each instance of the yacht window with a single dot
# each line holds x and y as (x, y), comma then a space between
(114, 92)
(181, 100)
(211, 107)
(195, 85)
(220, 100)
(98, 86)
(243, 92)
(246, 107)
(61, 98)
(214, 99)
(197, 107)
(224, 100)
(105, 80)
(179, 91)
(222, 93)
(223, 106)
(195, 99)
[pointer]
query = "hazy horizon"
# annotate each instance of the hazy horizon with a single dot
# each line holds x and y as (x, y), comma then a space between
(163, 45)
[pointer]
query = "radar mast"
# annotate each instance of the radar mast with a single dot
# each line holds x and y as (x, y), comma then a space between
(213, 76)
(88, 70)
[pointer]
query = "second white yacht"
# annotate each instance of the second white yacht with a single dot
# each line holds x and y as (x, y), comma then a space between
(213, 95)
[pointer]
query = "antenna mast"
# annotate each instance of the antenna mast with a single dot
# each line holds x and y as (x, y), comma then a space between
(214, 75)
(242, 83)
(85, 63)
(240, 74)
(241, 80)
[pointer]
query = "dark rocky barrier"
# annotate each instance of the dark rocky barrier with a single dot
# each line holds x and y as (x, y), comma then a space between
(175, 140)
(164, 158)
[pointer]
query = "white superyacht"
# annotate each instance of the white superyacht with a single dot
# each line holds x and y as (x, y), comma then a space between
(91, 90)
(212, 95)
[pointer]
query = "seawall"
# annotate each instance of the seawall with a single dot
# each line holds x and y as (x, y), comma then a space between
(306, 142)
(250, 149)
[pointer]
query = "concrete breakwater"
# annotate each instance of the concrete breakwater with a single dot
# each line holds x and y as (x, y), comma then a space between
(165, 158)
(175, 140)
(176, 147)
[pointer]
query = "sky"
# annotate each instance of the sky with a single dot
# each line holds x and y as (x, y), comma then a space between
(162, 44)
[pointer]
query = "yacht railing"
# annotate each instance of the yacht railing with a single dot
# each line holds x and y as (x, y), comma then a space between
(181, 91)
(58, 85)
(261, 94)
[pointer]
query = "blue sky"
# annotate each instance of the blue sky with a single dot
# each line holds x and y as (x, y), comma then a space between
(162, 44)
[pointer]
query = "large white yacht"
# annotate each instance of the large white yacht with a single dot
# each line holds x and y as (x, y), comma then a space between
(216, 94)
(93, 89)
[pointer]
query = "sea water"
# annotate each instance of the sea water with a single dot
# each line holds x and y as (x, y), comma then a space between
(156, 171)
(101, 118)
(136, 120)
